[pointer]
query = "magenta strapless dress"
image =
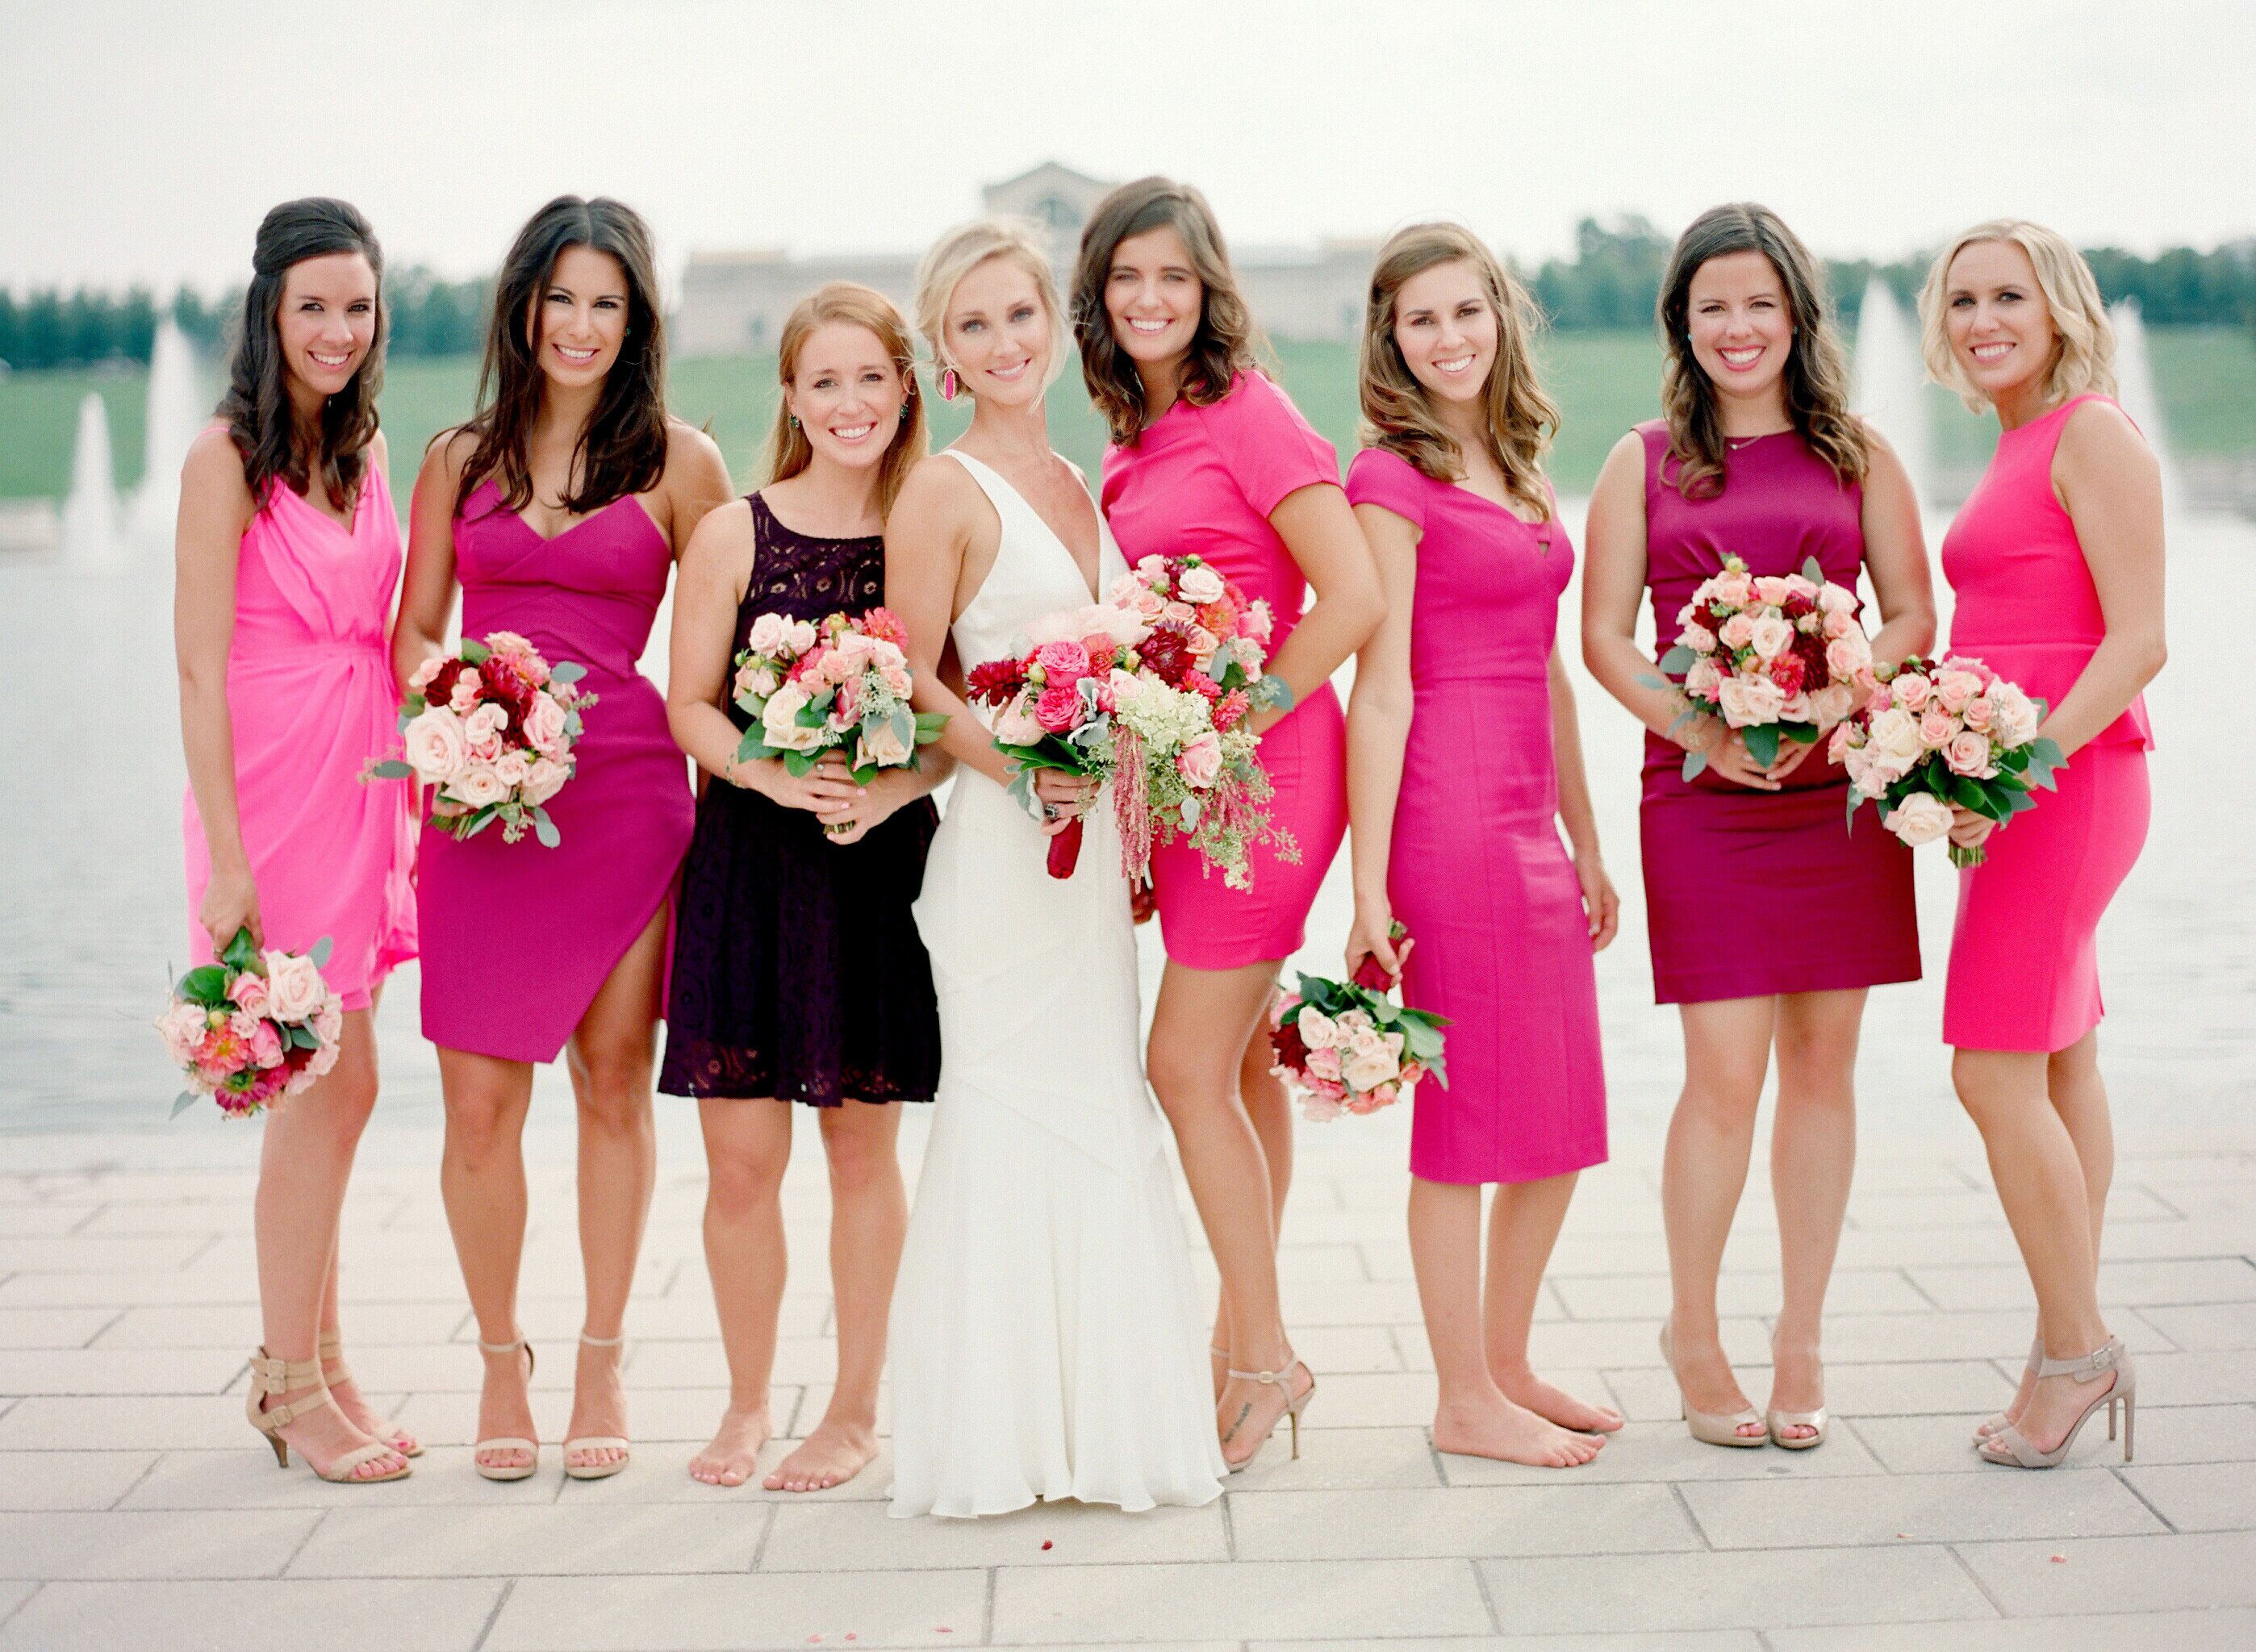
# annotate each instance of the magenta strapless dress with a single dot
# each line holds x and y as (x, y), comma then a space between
(1751, 893)
(518, 938)
(311, 701)
(2024, 964)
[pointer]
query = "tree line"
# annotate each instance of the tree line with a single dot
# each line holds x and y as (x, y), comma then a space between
(1612, 282)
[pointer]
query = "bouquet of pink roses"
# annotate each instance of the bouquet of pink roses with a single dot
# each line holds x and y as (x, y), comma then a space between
(840, 685)
(253, 1028)
(1224, 632)
(1348, 1047)
(1774, 658)
(489, 729)
(1937, 735)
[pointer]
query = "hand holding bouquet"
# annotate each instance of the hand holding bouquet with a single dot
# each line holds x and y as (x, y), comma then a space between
(1348, 1047)
(489, 729)
(840, 685)
(1933, 736)
(1774, 657)
(253, 1028)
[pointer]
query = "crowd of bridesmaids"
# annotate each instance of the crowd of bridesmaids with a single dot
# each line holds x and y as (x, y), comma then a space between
(753, 941)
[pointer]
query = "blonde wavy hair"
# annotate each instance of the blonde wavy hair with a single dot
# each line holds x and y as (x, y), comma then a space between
(849, 302)
(2083, 357)
(963, 250)
(1398, 413)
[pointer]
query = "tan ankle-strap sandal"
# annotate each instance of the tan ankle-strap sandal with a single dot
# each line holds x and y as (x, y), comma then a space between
(508, 1441)
(597, 1442)
(270, 1377)
(331, 1352)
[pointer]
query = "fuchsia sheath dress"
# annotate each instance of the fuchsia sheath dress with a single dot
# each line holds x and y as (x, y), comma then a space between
(1753, 893)
(518, 939)
(1476, 868)
(311, 701)
(1204, 479)
(2024, 968)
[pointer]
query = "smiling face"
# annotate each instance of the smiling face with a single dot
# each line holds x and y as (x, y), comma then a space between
(999, 333)
(1153, 296)
(1995, 314)
(1740, 322)
(327, 320)
(1446, 328)
(846, 392)
(579, 319)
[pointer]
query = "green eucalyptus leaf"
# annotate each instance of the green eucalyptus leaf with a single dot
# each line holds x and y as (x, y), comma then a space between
(1677, 660)
(1761, 740)
(182, 1102)
(205, 985)
(320, 951)
(1693, 762)
(474, 652)
(241, 951)
(544, 829)
(566, 671)
(391, 769)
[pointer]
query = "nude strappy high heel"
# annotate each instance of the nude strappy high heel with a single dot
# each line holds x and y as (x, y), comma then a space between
(1294, 1406)
(508, 1441)
(2011, 1449)
(278, 1377)
(2000, 1422)
(597, 1442)
(331, 1352)
(1716, 1428)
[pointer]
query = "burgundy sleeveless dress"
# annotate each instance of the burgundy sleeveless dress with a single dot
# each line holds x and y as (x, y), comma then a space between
(1754, 893)
(798, 970)
(518, 938)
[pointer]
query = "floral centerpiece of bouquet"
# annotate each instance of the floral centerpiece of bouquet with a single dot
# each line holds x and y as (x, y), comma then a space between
(1348, 1046)
(1937, 735)
(253, 1028)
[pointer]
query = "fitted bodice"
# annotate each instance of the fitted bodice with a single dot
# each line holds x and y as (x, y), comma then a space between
(306, 583)
(587, 594)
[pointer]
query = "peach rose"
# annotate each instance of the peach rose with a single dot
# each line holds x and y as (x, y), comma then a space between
(1738, 631)
(881, 745)
(1698, 638)
(1772, 590)
(1846, 655)
(2014, 715)
(544, 778)
(1318, 1032)
(1770, 637)
(545, 724)
(1956, 689)
(435, 748)
(1200, 763)
(1977, 713)
(513, 768)
(1910, 690)
(1749, 701)
(1936, 728)
(478, 786)
(1968, 754)
(779, 720)
(1923, 817)
(1837, 598)
(1200, 585)
(294, 987)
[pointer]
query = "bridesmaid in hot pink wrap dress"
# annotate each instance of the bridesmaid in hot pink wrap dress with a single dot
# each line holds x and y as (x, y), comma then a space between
(560, 508)
(1209, 455)
(2056, 563)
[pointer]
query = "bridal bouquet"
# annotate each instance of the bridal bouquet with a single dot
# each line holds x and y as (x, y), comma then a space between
(1225, 633)
(489, 729)
(1348, 1047)
(839, 686)
(253, 1028)
(1774, 658)
(1937, 735)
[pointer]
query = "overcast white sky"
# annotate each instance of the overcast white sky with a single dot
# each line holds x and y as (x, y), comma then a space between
(142, 140)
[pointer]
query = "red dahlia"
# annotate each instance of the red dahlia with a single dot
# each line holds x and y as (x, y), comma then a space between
(1285, 1041)
(996, 682)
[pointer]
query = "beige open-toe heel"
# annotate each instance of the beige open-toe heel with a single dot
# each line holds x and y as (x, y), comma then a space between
(1717, 1427)
(331, 1352)
(276, 1377)
(1294, 1406)
(1999, 1423)
(508, 1441)
(597, 1442)
(2011, 1449)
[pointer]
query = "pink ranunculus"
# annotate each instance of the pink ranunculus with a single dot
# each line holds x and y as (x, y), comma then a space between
(1923, 817)
(1059, 709)
(1738, 631)
(1910, 690)
(1968, 754)
(183, 1025)
(1200, 763)
(248, 992)
(1015, 724)
(266, 1044)
(1063, 662)
(1937, 727)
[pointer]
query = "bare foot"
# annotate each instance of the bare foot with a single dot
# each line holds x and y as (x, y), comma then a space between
(1797, 1383)
(1524, 1388)
(1510, 1433)
(736, 1448)
(599, 1407)
(361, 1414)
(1704, 1377)
(505, 1409)
(830, 1456)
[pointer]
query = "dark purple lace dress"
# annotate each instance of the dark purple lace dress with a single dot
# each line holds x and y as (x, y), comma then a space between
(798, 972)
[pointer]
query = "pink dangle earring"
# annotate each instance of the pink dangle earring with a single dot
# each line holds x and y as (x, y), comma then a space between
(949, 384)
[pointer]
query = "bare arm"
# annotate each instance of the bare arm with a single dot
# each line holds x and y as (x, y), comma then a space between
(696, 481)
(1377, 728)
(215, 508)
(1320, 530)
(2111, 485)
(427, 592)
(1600, 904)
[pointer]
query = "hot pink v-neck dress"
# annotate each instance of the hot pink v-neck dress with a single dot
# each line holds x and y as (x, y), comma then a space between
(518, 939)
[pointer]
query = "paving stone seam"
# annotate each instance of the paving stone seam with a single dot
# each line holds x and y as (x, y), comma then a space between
(760, 1544)
(1684, 1505)
(93, 1214)
(1487, 1598)
(1229, 1525)
(1975, 1578)
(987, 1607)
(500, 1599)
(30, 1596)
(2125, 1480)
(156, 1459)
(321, 1519)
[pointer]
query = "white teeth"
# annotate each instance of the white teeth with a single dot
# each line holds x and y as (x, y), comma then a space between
(1456, 366)
(1991, 351)
(571, 354)
(1150, 326)
(1741, 358)
(330, 360)
(852, 433)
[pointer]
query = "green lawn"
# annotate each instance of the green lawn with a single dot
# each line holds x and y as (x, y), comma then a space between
(1602, 382)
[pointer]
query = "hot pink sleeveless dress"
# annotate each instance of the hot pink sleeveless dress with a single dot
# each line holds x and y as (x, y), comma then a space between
(1478, 870)
(1204, 479)
(1753, 893)
(311, 701)
(518, 939)
(2024, 968)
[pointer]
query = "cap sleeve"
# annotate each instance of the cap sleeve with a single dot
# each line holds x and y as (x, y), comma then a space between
(1269, 448)
(1391, 482)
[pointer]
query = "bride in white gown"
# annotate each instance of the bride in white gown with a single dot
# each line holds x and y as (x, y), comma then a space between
(1045, 1335)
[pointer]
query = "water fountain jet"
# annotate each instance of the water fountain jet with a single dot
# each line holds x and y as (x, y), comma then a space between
(90, 524)
(177, 411)
(1888, 384)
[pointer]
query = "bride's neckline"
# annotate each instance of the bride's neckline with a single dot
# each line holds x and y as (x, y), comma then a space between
(1092, 582)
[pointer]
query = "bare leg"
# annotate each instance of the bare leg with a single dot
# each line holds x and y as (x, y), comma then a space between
(747, 1146)
(1271, 1108)
(1813, 1155)
(1472, 1415)
(869, 1219)
(1199, 1033)
(1523, 1223)
(482, 1179)
(1703, 1168)
(611, 1057)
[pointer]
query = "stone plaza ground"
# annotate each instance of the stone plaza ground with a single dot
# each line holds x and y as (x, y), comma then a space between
(137, 1510)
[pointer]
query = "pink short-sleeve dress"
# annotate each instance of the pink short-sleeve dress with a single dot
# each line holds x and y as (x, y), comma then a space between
(1476, 868)
(1204, 479)
(2023, 961)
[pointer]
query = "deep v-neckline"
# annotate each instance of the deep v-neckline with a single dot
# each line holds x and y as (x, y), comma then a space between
(1094, 585)
(577, 522)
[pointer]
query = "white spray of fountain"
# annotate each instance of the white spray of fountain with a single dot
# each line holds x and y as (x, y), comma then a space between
(1888, 384)
(177, 411)
(2134, 384)
(90, 526)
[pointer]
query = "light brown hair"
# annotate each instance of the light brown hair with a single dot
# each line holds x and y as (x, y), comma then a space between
(849, 302)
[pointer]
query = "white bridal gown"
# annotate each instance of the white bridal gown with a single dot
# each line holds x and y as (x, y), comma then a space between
(1045, 1338)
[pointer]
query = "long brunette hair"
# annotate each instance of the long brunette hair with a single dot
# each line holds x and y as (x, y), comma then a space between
(256, 405)
(623, 449)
